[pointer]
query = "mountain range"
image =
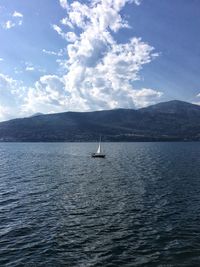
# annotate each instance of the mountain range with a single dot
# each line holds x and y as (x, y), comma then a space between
(167, 121)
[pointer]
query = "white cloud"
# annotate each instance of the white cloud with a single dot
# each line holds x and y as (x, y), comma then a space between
(59, 31)
(1, 59)
(59, 53)
(145, 97)
(138, 2)
(12, 93)
(71, 37)
(16, 19)
(197, 102)
(48, 95)
(8, 25)
(4, 113)
(30, 68)
(99, 71)
(17, 14)
(64, 4)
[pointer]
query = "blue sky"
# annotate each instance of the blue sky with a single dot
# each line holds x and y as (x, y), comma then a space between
(90, 55)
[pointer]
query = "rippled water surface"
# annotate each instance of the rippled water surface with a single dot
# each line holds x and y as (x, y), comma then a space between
(138, 207)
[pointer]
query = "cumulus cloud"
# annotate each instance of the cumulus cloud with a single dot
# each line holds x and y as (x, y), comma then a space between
(47, 95)
(99, 72)
(146, 97)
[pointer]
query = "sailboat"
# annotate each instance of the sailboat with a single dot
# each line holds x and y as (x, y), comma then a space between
(99, 153)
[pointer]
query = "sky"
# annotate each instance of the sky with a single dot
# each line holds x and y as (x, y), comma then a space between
(59, 55)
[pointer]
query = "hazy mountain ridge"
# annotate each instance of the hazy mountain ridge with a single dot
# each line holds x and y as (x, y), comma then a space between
(173, 120)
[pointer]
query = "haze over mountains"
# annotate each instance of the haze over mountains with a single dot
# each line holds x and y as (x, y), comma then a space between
(167, 121)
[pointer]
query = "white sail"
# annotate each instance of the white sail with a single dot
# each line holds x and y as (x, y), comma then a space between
(99, 149)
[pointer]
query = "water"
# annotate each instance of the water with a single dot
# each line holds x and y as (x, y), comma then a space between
(138, 207)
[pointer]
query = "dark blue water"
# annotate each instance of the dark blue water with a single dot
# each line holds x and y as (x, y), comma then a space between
(138, 207)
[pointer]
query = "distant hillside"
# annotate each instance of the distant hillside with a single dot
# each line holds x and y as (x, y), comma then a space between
(168, 121)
